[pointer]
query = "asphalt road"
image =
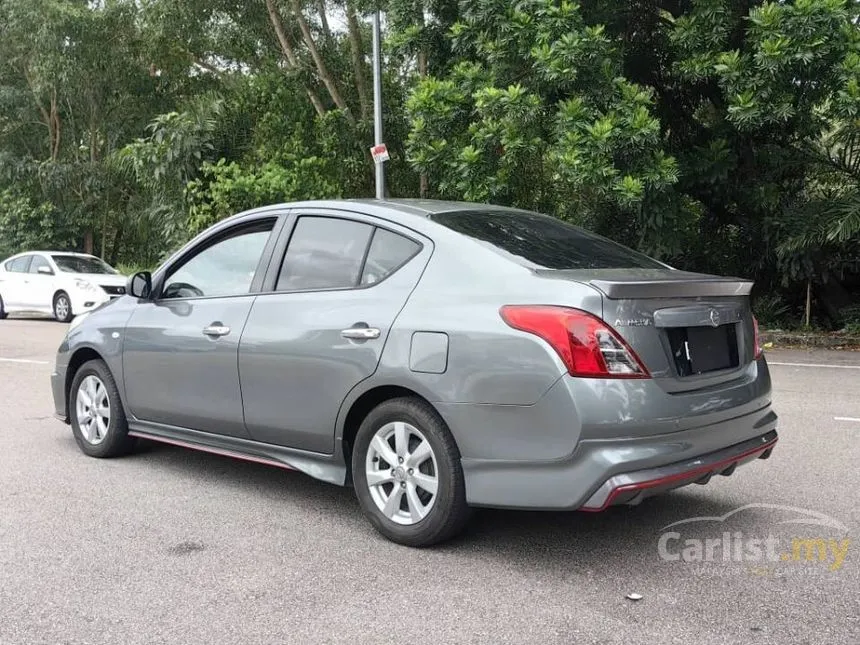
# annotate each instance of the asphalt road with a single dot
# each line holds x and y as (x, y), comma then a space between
(174, 546)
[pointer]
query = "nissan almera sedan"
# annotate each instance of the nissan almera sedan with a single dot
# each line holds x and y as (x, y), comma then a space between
(435, 356)
(57, 283)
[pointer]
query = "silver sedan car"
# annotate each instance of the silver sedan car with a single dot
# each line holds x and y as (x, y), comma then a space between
(435, 356)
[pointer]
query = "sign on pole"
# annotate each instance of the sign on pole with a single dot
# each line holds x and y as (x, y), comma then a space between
(379, 153)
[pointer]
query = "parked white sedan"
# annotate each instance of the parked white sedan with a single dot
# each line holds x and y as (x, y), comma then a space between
(61, 284)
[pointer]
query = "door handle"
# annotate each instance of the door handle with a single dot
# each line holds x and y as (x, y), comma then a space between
(360, 333)
(216, 330)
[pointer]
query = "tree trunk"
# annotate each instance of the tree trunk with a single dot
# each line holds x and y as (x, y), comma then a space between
(50, 116)
(55, 127)
(423, 181)
(323, 19)
(322, 70)
(88, 242)
(114, 250)
(290, 53)
(357, 50)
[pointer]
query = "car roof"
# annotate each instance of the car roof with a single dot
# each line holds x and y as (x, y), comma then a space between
(40, 252)
(401, 210)
(45, 253)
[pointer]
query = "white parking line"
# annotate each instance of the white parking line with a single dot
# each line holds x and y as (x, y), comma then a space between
(839, 367)
(854, 419)
(28, 361)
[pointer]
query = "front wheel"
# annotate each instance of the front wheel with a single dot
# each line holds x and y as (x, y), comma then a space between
(2, 309)
(63, 307)
(98, 419)
(407, 474)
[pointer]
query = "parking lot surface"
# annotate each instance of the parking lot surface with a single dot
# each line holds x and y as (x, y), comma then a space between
(174, 546)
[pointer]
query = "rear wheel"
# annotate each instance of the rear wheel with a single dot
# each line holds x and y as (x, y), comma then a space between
(2, 309)
(97, 415)
(63, 307)
(407, 474)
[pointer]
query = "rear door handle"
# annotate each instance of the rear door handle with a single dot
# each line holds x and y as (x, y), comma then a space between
(360, 333)
(216, 330)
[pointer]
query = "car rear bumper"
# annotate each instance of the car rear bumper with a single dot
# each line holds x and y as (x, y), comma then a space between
(633, 487)
(603, 472)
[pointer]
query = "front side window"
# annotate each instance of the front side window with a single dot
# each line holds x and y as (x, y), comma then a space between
(225, 268)
(82, 264)
(40, 263)
(324, 253)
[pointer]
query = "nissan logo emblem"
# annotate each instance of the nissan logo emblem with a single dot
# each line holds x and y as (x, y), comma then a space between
(714, 315)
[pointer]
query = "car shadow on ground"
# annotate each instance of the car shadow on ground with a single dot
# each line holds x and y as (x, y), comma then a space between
(593, 540)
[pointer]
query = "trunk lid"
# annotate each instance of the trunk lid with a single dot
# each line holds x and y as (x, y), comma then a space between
(691, 330)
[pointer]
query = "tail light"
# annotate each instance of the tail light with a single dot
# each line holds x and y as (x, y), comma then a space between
(757, 339)
(586, 344)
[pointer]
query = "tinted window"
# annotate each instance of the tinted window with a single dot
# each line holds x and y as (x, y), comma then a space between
(19, 265)
(388, 252)
(324, 253)
(226, 268)
(544, 242)
(82, 264)
(39, 261)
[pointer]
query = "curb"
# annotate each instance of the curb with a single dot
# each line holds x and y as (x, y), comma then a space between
(797, 339)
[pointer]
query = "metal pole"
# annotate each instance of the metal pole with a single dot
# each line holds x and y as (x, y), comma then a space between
(377, 104)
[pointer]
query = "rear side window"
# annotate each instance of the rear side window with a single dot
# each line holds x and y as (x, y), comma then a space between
(544, 242)
(324, 253)
(388, 252)
(19, 265)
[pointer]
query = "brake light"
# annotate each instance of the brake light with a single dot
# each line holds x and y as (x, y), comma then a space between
(757, 340)
(586, 344)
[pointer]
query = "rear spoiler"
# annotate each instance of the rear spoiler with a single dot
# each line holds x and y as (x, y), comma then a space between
(673, 287)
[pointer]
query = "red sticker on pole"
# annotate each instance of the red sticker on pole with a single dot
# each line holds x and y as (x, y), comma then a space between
(379, 153)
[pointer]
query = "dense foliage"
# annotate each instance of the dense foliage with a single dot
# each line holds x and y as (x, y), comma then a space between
(718, 135)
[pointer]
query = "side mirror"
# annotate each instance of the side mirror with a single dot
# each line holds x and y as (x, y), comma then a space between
(140, 285)
(44, 270)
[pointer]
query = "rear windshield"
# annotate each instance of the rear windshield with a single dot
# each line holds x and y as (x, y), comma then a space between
(544, 242)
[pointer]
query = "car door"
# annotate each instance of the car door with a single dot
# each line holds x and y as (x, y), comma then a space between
(180, 348)
(14, 287)
(321, 328)
(40, 284)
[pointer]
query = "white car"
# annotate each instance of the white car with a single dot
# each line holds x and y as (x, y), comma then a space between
(62, 284)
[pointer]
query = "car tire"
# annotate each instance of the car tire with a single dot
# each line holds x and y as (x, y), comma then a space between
(100, 430)
(63, 307)
(413, 516)
(2, 309)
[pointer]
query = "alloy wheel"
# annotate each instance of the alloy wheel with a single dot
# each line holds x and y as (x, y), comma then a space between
(92, 408)
(61, 308)
(402, 473)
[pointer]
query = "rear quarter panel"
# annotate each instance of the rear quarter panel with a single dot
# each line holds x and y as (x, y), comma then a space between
(459, 295)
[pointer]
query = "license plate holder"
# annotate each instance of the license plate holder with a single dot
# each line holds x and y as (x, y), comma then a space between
(699, 350)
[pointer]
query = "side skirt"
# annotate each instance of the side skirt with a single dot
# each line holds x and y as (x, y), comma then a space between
(323, 467)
